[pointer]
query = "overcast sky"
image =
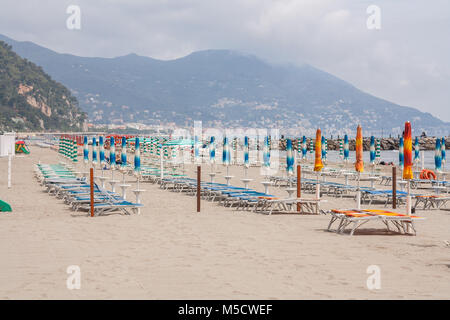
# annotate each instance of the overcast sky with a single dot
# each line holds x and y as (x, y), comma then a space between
(406, 61)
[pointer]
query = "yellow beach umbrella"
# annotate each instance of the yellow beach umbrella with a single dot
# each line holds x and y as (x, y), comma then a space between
(359, 164)
(318, 165)
(407, 152)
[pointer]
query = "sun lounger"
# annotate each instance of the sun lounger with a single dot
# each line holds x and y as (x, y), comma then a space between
(356, 218)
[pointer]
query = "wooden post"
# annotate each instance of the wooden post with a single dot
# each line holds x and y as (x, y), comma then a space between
(92, 191)
(199, 174)
(394, 187)
(299, 186)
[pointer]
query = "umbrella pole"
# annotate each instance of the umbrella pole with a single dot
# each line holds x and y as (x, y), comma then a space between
(317, 186)
(358, 193)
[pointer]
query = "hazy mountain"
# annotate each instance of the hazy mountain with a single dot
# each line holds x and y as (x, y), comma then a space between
(222, 88)
(31, 100)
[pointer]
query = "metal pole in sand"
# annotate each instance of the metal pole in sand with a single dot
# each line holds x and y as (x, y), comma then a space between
(299, 186)
(394, 187)
(199, 174)
(9, 170)
(92, 190)
(358, 193)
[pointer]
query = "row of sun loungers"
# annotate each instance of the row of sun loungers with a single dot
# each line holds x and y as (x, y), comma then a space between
(60, 181)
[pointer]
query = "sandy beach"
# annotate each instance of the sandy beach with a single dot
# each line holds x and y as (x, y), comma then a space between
(172, 252)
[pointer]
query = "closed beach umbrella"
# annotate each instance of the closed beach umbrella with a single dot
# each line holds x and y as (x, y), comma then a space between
(407, 150)
(123, 155)
(226, 152)
(137, 156)
(359, 164)
(112, 153)
(311, 146)
(346, 149)
(416, 150)
(102, 150)
(304, 150)
(94, 150)
(246, 152)
(212, 150)
(324, 150)
(266, 152)
(372, 150)
(318, 165)
(341, 149)
(400, 152)
(443, 155)
(85, 150)
(289, 157)
(438, 155)
(378, 150)
(196, 149)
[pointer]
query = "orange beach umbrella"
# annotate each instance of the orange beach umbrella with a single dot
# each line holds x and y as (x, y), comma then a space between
(318, 165)
(407, 152)
(359, 164)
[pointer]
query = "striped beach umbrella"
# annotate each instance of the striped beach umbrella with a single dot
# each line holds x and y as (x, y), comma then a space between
(246, 152)
(304, 149)
(400, 152)
(85, 150)
(266, 152)
(443, 155)
(438, 155)
(311, 145)
(416, 150)
(212, 150)
(359, 164)
(123, 155)
(378, 150)
(289, 157)
(112, 152)
(94, 150)
(341, 149)
(407, 150)
(372, 150)
(324, 150)
(101, 145)
(299, 146)
(137, 156)
(346, 149)
(226, 152)
(74, 151)
(318, 165)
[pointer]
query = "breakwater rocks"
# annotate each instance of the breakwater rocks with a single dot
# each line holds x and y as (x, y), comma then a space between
(426, 143)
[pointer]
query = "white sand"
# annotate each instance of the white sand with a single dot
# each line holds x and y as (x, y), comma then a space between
(172, 252)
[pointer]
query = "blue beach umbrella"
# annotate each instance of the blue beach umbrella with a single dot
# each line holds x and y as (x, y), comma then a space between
(304, 150)
(416, 150)
(196, 149)
(400, 153)
(212, 150)
(372, 150)
(102, 150)
(112, 153)
(85, 150)
(123, 155)
(324, 149)
(266, 152)
(137, 156)
(346, 148)
(226, 152)
(438, 155)
(289, 157)
(443, 155)
(246, 151)
(94, 150)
